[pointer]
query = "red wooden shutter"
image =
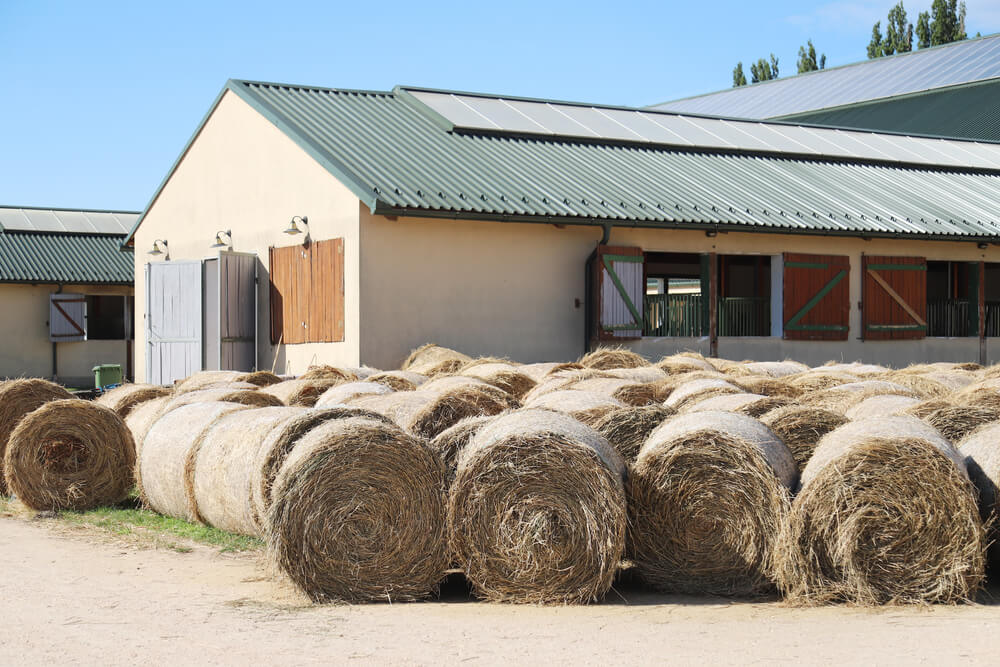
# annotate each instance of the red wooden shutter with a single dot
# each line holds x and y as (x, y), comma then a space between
(817, 297)
(894, 297)
(290, 277)
(327, 297)
(619, 288)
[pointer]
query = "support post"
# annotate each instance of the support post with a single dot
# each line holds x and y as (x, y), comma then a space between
(982, 313)
(713, 304)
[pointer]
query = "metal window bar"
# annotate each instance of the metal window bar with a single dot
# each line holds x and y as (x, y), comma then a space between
(680, 315)
(948, 318)
(745, 316)
(992, 318)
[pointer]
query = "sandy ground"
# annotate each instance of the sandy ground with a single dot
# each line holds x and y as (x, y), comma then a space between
(70, 597)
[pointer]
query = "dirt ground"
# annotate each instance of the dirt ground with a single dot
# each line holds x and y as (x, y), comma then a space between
(74, 597)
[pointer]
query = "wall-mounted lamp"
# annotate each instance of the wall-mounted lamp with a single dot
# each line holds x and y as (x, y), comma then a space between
(982, 245)
(157, 248)
(711, 233)
(219, 243)
(293, 226)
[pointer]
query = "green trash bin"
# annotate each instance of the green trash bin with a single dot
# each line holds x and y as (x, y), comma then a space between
(106, 375)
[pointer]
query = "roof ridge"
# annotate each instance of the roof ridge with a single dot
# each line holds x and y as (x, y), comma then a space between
(68, 210)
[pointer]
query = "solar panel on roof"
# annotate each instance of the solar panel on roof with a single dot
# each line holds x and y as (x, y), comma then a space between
(65, 221)
(926, 69)
(477, 112)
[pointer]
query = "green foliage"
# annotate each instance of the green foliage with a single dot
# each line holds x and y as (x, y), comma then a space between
(807, 59)
(947, 22)
(898, 32)
(739, 77)
(923, 30)
(875, 45)
(763, 70)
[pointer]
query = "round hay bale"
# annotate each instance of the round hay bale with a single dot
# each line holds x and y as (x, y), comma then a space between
(399, 380)
(301, 393)
(752, 405)
(17, 399)
(886, 515)
(881, 405)
(259, 378)
(202, 379)
(348, 391)
(582, 405)
(981, 450)
(628, 428)
(432, 360)
(925, 408)
(609, 357)
(539, 371)
(707, 496)
(503, 376)
(361, 372)
(427, 413)
(645, 393)
(989, 372)
(675, 364)
(70, 454)
(325, 372)
(449, 442)
(125, 398)
(553, 383)
(923, 385)
(166, 462)
(816, 380)
(640, 375)
(142, 418)
(767, 386)
(776, 369)
(449, 382)
(267, 459)
(855, 368)
(954, 380)
(383, 491)
(800, 427)
(223, 470)
(698, 390)
(955, 422)
(255, 398)
(843, 396)
(537, 510)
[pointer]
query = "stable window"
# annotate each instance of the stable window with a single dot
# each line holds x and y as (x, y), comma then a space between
(952, 299)
(106, 317)
(744, 295)
(307, 293)
(673, 304)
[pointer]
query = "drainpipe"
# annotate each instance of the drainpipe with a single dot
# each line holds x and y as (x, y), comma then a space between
(55, 355)
(607, 233)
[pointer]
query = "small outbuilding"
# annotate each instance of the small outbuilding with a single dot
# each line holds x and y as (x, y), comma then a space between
(66, 287)
(304, 225)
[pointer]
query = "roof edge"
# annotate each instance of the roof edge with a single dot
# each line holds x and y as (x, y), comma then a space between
(70, 210)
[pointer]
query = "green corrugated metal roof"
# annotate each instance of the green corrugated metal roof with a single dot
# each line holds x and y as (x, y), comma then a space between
(44, 257)
(389, 149)
(971, 111)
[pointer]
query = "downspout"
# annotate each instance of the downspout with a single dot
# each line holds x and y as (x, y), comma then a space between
(607, 233)
(55, 356)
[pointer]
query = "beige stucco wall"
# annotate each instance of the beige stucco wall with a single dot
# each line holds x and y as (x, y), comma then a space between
(511, 289)
(26, 350)
(244, 174)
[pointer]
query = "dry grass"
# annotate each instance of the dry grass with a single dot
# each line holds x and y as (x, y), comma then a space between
(886, 515)
(342, 394)
(611, 357)
(70, 454)
(17, 399)
(127, 397)
(628, 428)
(325, 372)
(767, 386)
(707, 495)
(451, 441)
(981, 450)
(433, 360)
(957, 421)
(537, 510)
(301, 393)
(800, 427)
(383, 491)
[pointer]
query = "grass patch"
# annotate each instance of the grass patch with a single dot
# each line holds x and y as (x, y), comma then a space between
(125, 519)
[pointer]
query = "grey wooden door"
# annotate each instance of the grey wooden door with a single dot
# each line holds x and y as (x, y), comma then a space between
(173, 321)
(237, 311)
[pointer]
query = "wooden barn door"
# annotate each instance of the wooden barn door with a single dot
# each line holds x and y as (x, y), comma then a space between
(817, 297)
(894, 297)
(237, 311)
(618, 285)
(67, 317)
(173, 321)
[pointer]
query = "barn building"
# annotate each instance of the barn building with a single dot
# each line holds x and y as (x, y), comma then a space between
(951, 90)
(66, 286)
(304, 225)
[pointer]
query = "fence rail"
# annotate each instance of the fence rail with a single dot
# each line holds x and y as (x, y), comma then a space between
(745, 316)
(681, 315)
(948, 318)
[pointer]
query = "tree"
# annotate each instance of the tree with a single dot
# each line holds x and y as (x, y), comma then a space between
(739, 78)
(875, 46)
(923, 30)
(763, 70)
(947, 22)
(898, 32)
(807, 59)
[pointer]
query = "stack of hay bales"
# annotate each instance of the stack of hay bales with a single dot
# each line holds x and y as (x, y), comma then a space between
(70, 454)
(127, 397)
(537, 510)
(708, 494)
(981, 450)
(886, 515)
(432, 360)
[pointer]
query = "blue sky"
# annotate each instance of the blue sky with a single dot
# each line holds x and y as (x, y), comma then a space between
(100, 97)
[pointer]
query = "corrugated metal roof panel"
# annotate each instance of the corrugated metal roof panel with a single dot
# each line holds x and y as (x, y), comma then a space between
(42, 257)
(971, 111)
(902, 74)
(398, 159)
(66, 221)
